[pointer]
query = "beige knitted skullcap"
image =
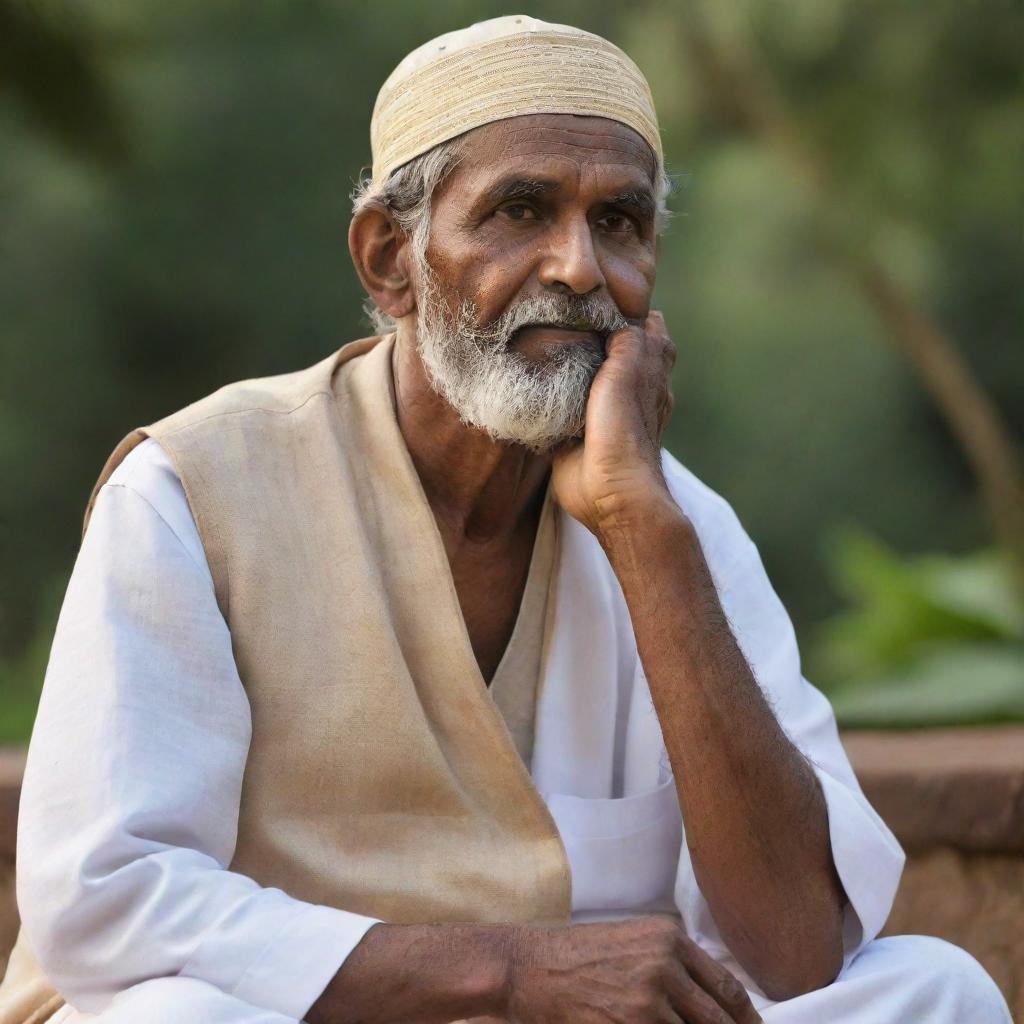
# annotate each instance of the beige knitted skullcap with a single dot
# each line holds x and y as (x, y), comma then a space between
(502, 68)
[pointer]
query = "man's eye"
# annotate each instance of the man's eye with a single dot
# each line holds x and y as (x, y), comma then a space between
(519, 211)
(616, 222)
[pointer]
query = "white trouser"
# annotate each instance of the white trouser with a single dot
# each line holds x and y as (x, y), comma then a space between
(906, 979)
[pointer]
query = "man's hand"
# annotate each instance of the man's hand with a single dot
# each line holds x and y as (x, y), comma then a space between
(639, 971)
(615, 470)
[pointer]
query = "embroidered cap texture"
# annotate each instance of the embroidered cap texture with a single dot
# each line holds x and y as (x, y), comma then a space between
(502, 68)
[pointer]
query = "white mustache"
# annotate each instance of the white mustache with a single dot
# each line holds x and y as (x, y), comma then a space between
(573, 312)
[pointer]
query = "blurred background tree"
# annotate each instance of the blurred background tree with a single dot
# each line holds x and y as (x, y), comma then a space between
(843, 280)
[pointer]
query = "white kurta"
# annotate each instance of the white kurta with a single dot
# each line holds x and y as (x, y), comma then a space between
(131, 793)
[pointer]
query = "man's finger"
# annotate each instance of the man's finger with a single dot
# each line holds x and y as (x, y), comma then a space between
(693, 1004)
(633, 333)
(666, 412)
(669, 1016)
(670, 354)
(658, 337)
(722, 985)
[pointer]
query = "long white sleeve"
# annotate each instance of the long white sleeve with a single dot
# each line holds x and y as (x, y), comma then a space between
(130, 803)
(867, 856)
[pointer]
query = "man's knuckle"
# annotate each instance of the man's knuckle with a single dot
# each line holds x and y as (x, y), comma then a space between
(669, 938)
(684, 945)
(732, 992)
(668, 970)
(651, 977)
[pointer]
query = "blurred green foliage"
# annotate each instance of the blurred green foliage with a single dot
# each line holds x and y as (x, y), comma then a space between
(930, 640)
(174, 188)
(22, 673)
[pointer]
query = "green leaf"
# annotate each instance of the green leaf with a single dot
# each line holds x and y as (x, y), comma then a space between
(955, 684)
(903, 606)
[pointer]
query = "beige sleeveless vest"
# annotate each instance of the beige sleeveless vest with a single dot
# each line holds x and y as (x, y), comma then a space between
(383, 776)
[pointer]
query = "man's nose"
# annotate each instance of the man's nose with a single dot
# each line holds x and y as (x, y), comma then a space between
(571, 260)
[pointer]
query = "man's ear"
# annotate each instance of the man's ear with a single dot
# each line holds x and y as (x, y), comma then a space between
(380, 255)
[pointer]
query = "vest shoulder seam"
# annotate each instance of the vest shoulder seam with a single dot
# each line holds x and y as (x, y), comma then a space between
(235, 412)
(126, 486)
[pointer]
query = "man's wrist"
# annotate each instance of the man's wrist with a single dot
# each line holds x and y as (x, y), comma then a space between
(498, 951)
(455, 971)
(632, 525)
(514, 943)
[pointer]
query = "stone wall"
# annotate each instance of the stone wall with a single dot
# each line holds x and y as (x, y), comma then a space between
(954, 798)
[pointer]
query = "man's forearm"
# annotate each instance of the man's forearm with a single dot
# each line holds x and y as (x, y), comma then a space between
(423, 974)
(756, 820)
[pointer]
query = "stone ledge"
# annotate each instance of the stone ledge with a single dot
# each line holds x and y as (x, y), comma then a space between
(958, 788)
(974, 900)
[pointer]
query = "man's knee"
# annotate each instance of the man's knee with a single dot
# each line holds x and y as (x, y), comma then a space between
(162, 1001)
(181, 1001)
(948, 974)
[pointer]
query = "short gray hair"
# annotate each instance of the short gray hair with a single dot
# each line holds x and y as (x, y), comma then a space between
(408, 193)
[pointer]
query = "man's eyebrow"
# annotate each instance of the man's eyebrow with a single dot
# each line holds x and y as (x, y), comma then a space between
(639, 200)
(518, 188)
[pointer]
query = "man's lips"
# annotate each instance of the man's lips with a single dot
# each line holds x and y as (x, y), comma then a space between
(555, 332)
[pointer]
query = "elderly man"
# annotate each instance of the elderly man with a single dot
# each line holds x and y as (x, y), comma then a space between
(422, 685)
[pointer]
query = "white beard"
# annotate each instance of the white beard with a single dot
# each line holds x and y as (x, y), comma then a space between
(535, 404)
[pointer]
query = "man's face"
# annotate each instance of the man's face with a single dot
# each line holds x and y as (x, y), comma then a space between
(542, 242)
